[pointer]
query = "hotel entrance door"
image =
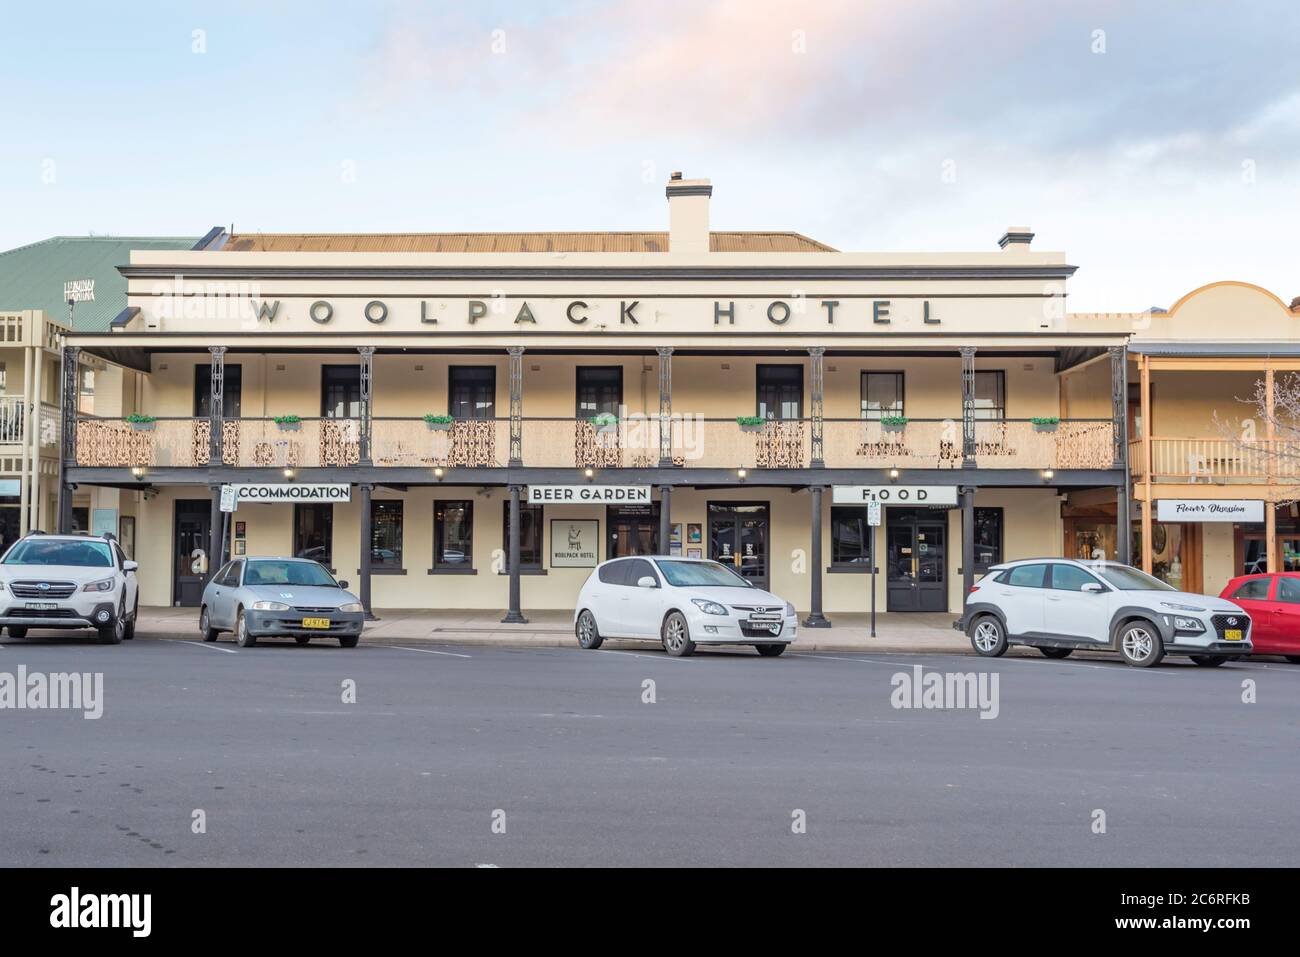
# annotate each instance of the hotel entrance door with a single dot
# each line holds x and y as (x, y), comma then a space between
(916, 553)
(738, 534)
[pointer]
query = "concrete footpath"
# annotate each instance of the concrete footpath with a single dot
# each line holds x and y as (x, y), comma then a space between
(920, 632)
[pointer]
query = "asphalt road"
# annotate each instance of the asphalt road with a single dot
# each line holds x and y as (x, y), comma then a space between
(712, 773)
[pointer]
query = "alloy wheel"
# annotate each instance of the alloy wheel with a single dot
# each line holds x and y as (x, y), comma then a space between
(986, 636)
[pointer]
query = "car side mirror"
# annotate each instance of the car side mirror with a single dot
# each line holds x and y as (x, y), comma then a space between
(1092, 588)
(343, 585)
(129, 566)
(645, 581)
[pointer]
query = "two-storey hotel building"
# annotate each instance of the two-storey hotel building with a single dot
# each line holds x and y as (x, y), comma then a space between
(474, 420)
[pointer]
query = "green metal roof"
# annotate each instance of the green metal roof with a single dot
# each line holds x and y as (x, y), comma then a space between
(32, 277)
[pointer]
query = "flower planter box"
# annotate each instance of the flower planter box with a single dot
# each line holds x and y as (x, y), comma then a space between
(893, 426)
(608, 429)
(438, 426)
(142, 426)
(752, 428)
(289, 426)
(1046, 426)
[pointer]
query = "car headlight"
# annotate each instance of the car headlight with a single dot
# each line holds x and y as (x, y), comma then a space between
(269, 606)
(789, 610)
(1177, 607)
(709, 607)
(351, 606)
(105, 584)
(1188, 624)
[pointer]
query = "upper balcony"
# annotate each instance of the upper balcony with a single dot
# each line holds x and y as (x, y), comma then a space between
(631, 443)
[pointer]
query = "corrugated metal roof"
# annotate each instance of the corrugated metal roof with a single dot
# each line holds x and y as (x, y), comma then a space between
(588, 242)
(32, 277)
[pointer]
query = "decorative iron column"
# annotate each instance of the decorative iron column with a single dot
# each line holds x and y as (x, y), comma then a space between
(665, 406)
(513, 614)
(516, 354)
(967, 544)
(815, 617)
(216, 533)
(968, 407)
(1119, 425)
(367, 381)
(818, 402)
(665, 519)
(217, 407)
(367, 548)
(69, 400)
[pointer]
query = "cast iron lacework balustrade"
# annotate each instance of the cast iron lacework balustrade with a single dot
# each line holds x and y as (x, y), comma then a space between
(780, 445)
(594, 447)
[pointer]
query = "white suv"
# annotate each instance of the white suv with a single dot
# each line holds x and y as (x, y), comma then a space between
(69, 581)
(682, 602)
(1058, 605)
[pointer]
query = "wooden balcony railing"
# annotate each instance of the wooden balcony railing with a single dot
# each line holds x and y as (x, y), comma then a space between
(559, 442)
(1217, 460)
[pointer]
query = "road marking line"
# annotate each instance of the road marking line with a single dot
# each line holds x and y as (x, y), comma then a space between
(870, 661)
(636, 654)
(426, 651)
(201, 644)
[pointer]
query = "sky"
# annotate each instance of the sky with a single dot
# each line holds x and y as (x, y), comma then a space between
(1156, 142)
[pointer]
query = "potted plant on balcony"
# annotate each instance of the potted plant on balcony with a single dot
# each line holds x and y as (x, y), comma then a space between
(893, 423)
(750, 423)
(1045, 423)
(141, 423)
(605, 422)
(437, 423)
(288, 423)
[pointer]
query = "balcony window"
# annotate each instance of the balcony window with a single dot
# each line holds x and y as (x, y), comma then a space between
(882, 394)
(599, 390)
(386, 535)
(231, 389)
(313, 532)
(991, 395)
(851, 538)
(453, 535)
(472, 392)
(780, 391)
(340, 392)
(530, 536)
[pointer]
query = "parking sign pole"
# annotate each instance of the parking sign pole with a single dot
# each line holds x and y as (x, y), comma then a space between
(873, 521)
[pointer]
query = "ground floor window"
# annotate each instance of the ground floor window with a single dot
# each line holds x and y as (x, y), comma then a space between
(632, 530)
(530, 535)
(313, 532)
(80, 519)
(988, 538)
(10, 521)
(851, 538)
(453, 535)
(1175, 554)
(386, 534)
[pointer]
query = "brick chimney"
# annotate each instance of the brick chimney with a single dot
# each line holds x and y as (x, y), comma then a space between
(688, 214)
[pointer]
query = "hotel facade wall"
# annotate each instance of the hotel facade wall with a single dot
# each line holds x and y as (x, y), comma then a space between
(1031, 527)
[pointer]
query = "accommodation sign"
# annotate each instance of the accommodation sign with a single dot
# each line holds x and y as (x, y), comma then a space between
(1209, 510)
(577, 494)
(292, 492)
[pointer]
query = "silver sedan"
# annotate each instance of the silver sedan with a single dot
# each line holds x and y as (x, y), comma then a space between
(279, 597)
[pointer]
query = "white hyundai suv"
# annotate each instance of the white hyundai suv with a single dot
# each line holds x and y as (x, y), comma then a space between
(682, 602)
(68, 581)
(1058, 605)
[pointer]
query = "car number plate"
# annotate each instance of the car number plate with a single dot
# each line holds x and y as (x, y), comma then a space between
(315, 622)
(1232, 634)
(41, 605)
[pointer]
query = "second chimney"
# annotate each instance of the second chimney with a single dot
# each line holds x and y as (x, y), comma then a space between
(688, 214)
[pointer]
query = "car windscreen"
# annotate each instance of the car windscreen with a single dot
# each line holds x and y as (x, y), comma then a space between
(288, 573)
(1130, 579)
(37, 551)
(701, 574)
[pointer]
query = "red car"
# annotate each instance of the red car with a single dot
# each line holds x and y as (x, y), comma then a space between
(1273, 603)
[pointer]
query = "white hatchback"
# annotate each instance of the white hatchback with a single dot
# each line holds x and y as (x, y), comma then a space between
(682, 602)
